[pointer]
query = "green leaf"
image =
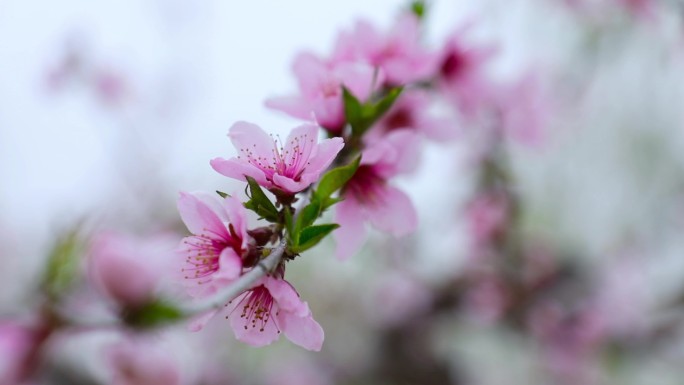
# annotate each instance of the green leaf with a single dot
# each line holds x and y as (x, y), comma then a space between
(352, 109)
(336, 178)
(222, 194)
(418, 8)
(259, 202)
(62, 265)
(308, 215)
(382, 106)
(153, 314)
(289, 226)
(311, 235)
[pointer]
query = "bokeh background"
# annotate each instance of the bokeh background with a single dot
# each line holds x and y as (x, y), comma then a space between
(109, 108)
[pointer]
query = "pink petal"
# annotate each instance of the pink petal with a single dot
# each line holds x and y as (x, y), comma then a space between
(286, 296)
(358, 78)
(237, 216)
(329, 112)
(294, 106)
(300, 143)
(237, 169)
(289, 185)
(230, 266)
(303, 331)
(352, 232)
(250, 138)
(394, 214)
(326, 151)
(311, 73)
(404, 158)
(199, 217)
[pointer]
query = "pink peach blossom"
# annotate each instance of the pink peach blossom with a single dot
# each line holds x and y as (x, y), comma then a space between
(141, 363)
(460, 75)
(129, 269)
(368, 197)
(320, 90)
(214, 253)
(398, 52)
(291, 168)
(418, 110)
(525, 109)
(273, 306)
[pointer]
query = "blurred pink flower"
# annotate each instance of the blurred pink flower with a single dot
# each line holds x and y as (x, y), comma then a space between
(398, 297)
(398, 52)
(141, 363)
(418, 110)
(369, 197)
(461, 76)
(525, 109)
(213, 254)
(271, 306)
(16, 343)
(291, 168)
(320, 87)
(487, 215)
(129, 269)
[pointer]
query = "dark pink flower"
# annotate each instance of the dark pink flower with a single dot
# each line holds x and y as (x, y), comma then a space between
(213, 254)
(368, 196)
(290, 167)
(273, 306)
(398, 52)
(320, 90)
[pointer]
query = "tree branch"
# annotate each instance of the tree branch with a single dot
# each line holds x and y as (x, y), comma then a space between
(243, 283)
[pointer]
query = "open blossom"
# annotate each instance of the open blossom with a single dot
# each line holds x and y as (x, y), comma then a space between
(460, 74)
(214, 253)
(291, 167)
(270, 307)
(398, 52)
(368, 196)
(320, 90)
(139, 260)
(418, 110)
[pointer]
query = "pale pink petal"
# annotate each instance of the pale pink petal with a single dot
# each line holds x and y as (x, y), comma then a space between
(329, 111)
(248, 138)
(351, 234)
(394, 212)
(358, 78)
(311, 73)
(237, 216)
(295, 106)
(238, 169)
(199, 321)
(230, 266)
(299, 144)
(288, 185)
(326, 151)
(199, 217)
(303, 331)
(404, 158)
(286, 296)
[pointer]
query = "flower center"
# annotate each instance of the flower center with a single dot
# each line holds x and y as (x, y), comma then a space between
(365, 186)
(203, 252)
(257, 307)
